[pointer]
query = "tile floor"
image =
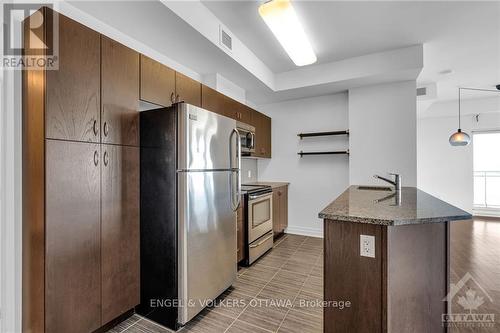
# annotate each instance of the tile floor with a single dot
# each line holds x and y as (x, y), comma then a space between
(278, 293)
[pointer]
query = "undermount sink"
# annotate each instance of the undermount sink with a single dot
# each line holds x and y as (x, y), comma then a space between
(374, 188)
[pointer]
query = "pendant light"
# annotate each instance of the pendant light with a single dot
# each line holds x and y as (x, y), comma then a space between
(459, 138)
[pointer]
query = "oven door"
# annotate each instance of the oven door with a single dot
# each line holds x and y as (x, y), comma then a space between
(260, 215)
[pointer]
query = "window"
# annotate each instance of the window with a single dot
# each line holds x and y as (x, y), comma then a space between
(487, 170)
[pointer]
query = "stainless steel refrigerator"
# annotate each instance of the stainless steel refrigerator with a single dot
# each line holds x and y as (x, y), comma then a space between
(190, 191)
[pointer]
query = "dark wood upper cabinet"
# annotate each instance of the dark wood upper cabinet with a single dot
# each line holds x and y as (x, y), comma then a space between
(73, 90)
(73, 253)
(157, 82)
(262, 125)
(245, 114)
(212, 100)
(119, 230)
(265, 133)
(187, 90)
(119, 93)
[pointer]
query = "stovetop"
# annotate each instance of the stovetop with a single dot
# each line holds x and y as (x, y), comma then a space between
(255, 189)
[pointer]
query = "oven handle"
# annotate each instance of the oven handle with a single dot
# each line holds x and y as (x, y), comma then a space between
(261, 242)
(259, 196)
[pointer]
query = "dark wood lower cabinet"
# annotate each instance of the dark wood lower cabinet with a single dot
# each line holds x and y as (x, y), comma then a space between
(73, 232)
(119, 230)
(280, 210)
(400, 290)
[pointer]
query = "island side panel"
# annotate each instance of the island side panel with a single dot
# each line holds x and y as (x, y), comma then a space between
(417, 277)
(350, 277)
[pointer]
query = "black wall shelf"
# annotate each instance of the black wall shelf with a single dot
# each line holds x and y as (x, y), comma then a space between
(307, 135)
(341, 152)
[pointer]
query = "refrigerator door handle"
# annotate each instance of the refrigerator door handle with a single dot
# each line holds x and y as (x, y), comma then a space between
(235, 202)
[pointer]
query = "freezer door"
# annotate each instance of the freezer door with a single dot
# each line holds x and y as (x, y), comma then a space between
(203, 138)
(207, 239)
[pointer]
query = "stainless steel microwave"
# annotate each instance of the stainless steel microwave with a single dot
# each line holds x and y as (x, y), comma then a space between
(247, 138)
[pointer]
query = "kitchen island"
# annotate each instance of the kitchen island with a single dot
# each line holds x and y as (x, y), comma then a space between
(395, 279)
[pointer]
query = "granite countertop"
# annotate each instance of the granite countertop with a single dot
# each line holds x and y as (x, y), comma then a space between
(272, 184)
(380, 207)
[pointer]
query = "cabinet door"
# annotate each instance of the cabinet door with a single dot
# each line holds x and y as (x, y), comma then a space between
(187, 90)
(119, 230)
(120, 93)
(212, 100)
(265, 131)
(157, 82)
(283, 194)
(73, 91)
(73, 253)
(276, 212)
(245, 114)
(262, 125)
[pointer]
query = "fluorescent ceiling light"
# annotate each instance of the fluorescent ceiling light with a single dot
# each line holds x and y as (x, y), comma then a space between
(281, 18)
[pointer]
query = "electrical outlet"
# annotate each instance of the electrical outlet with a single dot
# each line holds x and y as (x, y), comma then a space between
(367, 246)
(249, 173)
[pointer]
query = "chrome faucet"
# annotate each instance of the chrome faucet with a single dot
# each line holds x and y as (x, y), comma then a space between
(396, 182)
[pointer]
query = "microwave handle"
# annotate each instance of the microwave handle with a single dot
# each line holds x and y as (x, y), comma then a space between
(252, 140)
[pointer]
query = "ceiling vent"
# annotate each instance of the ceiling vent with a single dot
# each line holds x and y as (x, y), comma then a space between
(421, 91)
(225, 39)
(427, 91)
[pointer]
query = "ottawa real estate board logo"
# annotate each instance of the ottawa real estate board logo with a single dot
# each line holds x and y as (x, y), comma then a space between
(30, 36)
(468, 305)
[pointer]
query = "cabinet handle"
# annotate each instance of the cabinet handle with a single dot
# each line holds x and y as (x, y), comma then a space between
(172, 97)
(94, 127)
(105, 129)
(96, 158)
(105, 158)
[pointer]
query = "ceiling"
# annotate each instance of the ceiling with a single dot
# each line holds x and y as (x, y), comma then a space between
(461, 36)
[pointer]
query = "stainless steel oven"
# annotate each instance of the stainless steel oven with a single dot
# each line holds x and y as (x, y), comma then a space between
(259, 223)
(247, 138)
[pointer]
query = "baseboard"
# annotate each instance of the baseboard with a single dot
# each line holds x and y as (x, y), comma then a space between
(304, 231)
(486, 212)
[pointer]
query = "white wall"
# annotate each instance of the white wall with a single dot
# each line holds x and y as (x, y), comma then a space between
(382, 125)
(10, 197)
(315, 181)
(445, 171)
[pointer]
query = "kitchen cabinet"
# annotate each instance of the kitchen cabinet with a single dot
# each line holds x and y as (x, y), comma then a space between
(120, 273)
(80, 211)
(187, 90)
(73, 90)
(157, 82)
(120, 93)
(262, 125)
(245, 114)
(240, 231)
(213, 100)
(280, 209)
(72, 260)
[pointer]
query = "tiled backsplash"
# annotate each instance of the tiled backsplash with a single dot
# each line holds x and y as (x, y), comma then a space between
(249, 170)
